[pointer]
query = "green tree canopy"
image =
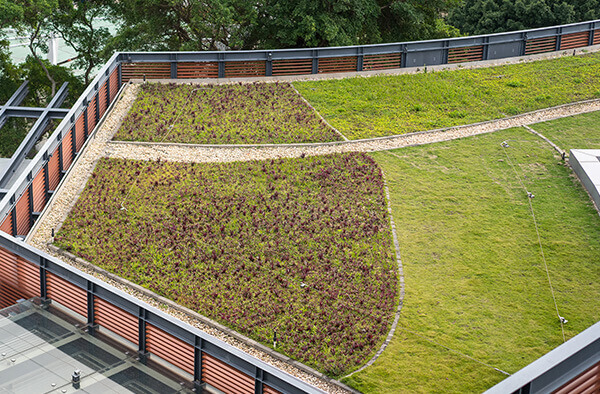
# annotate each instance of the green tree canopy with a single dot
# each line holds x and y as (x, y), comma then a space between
(495, 16)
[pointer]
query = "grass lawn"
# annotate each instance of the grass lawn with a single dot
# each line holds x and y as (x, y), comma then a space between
(574, 132)
(259, 113)
(475, 279)
(389, 105)
(297, 246)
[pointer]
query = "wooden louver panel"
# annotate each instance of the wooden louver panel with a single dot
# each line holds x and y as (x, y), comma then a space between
(66, 294)
(586, 382)
(67, 150)
(6, 225)
(19, 279)
(23, 214)
(596, 37)
(292, 67)
(270, 390)
(337, 64)
(91, 115)
(169, 348)
(79, 133)
(224, 377)
(465, 54)
(148, 70)
(116, 320)
(382, 62)
(540, 45)
(54, 170)
(198, 70)
(575, 40)
(39, 191)
(113, 81)
(245, 69)
(102, 100)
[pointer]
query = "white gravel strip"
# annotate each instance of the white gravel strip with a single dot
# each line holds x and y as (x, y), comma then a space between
(66, 196)
(224, 153)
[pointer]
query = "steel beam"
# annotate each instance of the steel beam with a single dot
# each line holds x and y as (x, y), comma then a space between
(16, 99)
(34, 134)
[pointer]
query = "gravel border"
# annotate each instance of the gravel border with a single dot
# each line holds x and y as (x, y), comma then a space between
(227, 153)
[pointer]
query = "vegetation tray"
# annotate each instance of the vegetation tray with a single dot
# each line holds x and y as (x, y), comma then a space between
(259, 113)
(297, 247)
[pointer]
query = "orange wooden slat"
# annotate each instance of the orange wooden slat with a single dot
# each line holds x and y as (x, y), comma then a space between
(596, 37)
(19, 279)
(116, 320)
(149, 70)
(224, 377)
(466, 54)
(381, 62)
(198, 70)
(66, 294)
(91, 115)
(586, 382)
(337, 64)
(270, 390)
(574, 40)
(102, 99)
(169, 348)
(39, 191)
(292, 67)
(23, 214)
(113, 81)
(245, 69)
(540, 45)
(6, 225)
(67, 150)
(53, 171)
(80, 134)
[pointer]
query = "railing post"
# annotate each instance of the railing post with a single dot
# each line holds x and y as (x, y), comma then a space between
(486, 47)
(558, 38)
(90, 307)
(221, 60)
(445, 51)
(46, 179)
(142, 316)
(523, 43)
(591, 34)
(403, 55)
(198, 345)
(97, 104)
(173, 66)
(315, 62)
(43, 286)
(61, 167)
(30, 192)
(269, 64)
(85, 120)
(359, 58)
(107, 84)
(73, 139)
(13, 217)
(258, 384)
(120, 73)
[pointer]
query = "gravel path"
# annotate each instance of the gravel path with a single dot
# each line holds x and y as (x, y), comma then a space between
(222, 153)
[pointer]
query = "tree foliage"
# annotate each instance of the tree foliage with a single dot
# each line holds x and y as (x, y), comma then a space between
(494, 16)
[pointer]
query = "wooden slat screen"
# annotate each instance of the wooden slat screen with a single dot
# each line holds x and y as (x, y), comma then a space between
(53, 171)
(79, 135)
(596, 37)
(102, 97)
(540, 45)
(224, 377)
(198, 70)
(23, 214)
(270, 390)
(575, 40)
(382, 62)
(114, 84)
(150, 70)
(337, 64)
(116, 320)
(67, 150)
(91, 115)
(39, 191)
(7, 224)
(292, 67)
(19, 279)
(586, 382)
(66, 294)
(169, 348)
(245, 69)
(466, 54)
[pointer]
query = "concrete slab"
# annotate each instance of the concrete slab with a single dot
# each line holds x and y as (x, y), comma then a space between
(586, 164)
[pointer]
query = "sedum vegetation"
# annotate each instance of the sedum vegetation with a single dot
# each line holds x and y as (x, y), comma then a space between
(256, 113)
(301, 247)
